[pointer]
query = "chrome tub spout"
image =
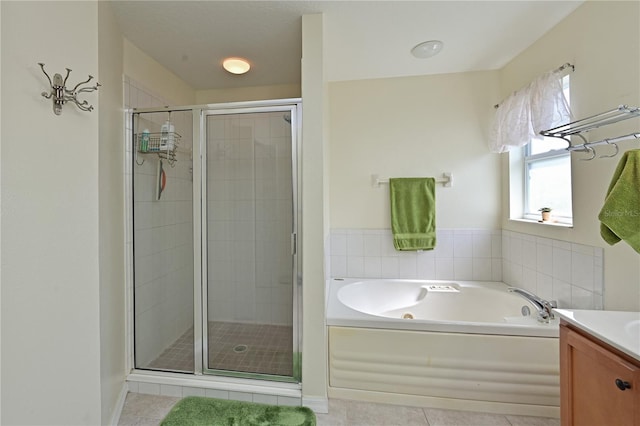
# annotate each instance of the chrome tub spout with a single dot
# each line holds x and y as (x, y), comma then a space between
(545, 308)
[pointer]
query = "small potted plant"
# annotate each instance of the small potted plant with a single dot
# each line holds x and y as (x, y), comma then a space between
(546, 213)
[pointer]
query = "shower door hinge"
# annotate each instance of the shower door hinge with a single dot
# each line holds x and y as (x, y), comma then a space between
(294, 244)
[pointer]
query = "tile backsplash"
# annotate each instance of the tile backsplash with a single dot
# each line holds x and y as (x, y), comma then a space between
(462, 254)
(570, 273)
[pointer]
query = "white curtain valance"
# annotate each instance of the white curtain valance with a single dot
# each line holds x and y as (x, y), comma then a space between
(520, 118)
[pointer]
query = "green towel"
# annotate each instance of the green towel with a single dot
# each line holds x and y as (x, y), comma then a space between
(620, 215)
(413, 213)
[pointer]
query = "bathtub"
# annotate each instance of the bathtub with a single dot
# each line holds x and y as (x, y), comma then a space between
(445, 344)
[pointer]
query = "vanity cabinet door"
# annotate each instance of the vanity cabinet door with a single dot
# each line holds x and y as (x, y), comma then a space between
(597, 386)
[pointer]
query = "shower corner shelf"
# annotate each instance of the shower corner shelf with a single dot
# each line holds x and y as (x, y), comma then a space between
(165, 145)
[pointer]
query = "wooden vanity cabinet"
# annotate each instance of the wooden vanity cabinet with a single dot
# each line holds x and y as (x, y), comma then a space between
(599, 385)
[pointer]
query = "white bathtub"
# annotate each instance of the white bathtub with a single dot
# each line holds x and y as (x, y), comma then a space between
(462, 345)
(457, 307)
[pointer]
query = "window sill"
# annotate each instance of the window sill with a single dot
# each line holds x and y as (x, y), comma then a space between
(536, 222)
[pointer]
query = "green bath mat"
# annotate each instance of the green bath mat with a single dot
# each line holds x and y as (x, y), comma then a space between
(200, 411)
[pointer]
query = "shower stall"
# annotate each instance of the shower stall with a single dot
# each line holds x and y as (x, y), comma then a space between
(216, 283)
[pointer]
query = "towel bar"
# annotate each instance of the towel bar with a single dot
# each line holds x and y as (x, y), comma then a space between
(446, 180)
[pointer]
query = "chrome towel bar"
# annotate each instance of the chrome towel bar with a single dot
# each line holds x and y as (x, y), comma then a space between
(446, 180)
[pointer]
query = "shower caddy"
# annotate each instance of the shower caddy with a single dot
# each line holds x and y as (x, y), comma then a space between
(164, 144)
(578, 127)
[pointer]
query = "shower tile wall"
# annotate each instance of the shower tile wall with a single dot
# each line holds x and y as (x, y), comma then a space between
(163, 231)
(249, 218)
(570, 273)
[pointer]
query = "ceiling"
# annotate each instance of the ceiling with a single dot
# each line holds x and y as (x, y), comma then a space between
(363, 39)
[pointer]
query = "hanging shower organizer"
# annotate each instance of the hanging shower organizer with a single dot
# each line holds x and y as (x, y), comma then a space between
(164, 144)
(579, 127)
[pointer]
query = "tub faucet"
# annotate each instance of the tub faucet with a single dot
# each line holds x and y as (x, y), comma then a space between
(545, 308)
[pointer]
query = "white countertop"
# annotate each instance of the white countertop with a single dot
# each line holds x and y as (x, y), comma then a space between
(619, 329)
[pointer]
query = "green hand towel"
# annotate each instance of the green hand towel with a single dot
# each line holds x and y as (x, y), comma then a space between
(620, 215)
(413, 213)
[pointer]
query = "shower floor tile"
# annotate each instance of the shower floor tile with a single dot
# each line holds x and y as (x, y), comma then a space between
(251, 348)
(247, 348)
(178, 356)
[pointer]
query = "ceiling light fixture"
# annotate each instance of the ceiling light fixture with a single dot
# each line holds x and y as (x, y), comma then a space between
(427, 49)
(236, 65)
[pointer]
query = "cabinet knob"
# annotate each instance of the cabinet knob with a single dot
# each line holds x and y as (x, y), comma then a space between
(622, 385)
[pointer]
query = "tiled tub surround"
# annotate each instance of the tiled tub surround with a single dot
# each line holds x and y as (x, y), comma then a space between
(462, 254)
(570, 273)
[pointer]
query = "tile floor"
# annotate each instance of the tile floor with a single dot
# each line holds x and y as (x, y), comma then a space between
(177, 357)
(149, 410)
(253, 348)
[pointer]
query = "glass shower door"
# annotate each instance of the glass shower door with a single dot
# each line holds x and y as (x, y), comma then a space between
(250, 263)
(163, 241)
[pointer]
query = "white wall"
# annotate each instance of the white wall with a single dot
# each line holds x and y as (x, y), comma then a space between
(157, 79)
(414, 126)
(252, 93)
(50, 220)
(427, 125)
(111, 214)
(314, 207)
(602, 40)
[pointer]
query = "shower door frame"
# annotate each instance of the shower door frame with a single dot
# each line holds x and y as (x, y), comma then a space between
(294, 105)
(201, 318)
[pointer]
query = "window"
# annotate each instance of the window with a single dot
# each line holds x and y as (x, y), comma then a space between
(546, 167)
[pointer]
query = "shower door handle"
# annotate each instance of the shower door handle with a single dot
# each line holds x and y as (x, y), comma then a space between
(294, 244)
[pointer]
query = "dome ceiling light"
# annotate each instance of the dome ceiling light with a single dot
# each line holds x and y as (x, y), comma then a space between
(427, 49)
(236, 65)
